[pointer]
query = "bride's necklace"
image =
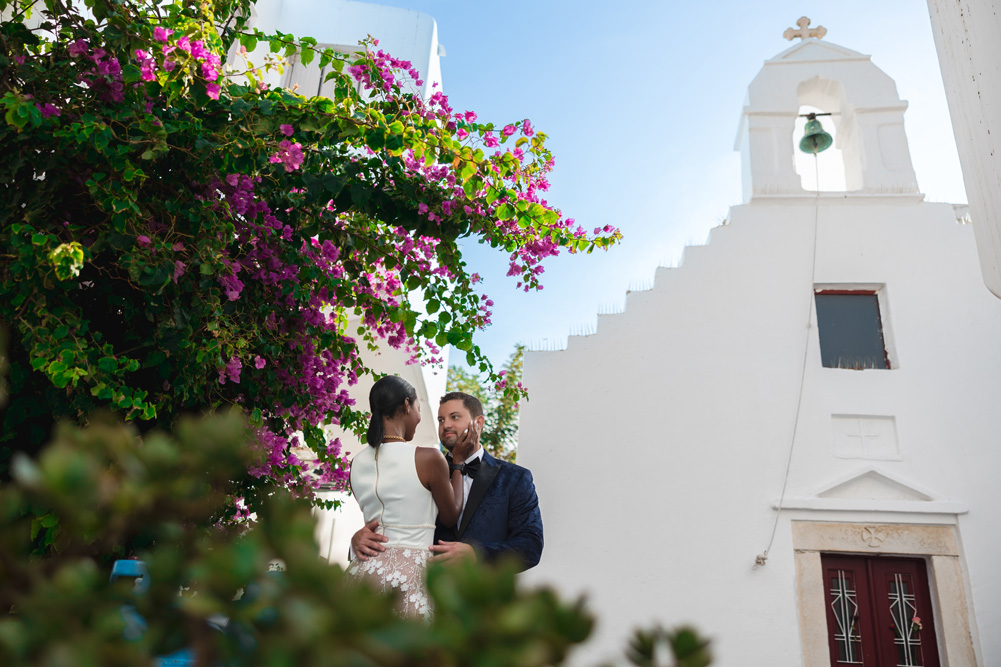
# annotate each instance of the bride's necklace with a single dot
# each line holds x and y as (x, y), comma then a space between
(392, 438)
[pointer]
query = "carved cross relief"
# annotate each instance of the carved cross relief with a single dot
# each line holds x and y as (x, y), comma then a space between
(873, 536)
(804, 32)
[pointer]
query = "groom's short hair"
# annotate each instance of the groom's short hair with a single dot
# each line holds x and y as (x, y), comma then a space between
(470, 402)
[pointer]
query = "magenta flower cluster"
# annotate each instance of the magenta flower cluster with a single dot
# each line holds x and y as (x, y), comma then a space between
(288, 154)
(105, 76)
(262, 248)
(381, 72)
(208, 63)
(523, 184)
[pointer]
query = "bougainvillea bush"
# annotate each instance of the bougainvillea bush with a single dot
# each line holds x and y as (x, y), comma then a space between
(176, 236)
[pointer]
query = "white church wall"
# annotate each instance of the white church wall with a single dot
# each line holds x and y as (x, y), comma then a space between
(659, 444)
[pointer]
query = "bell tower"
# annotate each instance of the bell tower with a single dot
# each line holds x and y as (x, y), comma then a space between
(865, 109)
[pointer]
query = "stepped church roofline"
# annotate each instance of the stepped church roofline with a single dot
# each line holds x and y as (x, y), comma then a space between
(866, 111)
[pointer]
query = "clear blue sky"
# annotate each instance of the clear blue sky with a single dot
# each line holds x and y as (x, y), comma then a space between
(641, 101)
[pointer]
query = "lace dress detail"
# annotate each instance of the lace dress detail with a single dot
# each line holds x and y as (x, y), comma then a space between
(400, 569)
(384, 481)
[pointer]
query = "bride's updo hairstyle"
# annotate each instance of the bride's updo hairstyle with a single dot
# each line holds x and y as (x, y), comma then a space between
(385, 400)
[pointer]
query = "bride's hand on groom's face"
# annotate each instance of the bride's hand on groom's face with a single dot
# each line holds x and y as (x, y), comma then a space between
(367, 543)
(469, 439)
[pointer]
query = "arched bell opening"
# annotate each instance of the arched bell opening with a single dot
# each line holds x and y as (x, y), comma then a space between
(825, 170)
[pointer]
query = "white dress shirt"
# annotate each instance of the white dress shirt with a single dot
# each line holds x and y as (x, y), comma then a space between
(467, 482)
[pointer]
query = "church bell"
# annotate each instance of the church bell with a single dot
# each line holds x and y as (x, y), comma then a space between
(815, 139)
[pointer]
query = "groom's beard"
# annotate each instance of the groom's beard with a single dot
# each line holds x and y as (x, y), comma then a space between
(449, 440)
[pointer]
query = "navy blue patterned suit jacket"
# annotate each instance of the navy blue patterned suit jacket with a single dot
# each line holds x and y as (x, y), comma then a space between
(502, 515)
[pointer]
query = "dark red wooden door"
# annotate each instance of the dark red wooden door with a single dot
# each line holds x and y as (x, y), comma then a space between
(879, 612)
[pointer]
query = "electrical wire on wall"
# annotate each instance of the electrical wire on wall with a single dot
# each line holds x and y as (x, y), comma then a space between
(762, 558)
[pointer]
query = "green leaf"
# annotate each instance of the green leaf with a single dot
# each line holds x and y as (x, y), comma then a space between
(504, 212)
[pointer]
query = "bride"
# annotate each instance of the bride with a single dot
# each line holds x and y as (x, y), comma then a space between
(402, 487)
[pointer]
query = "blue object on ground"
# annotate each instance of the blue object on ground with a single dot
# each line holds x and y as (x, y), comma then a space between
(135, 624)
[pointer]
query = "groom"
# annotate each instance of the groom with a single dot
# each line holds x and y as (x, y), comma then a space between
(500, 516)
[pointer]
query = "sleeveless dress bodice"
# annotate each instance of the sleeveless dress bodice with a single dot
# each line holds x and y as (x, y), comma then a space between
(384, 481)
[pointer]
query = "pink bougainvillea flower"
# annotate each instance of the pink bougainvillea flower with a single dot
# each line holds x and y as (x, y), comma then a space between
(18, 59)
(210, 72)
(184, 44)
(526, 128)
(179, 268)
(470, 116)
(78, 48)
(146, 65)
(290, 154)
(508, 130)
(259, 362)
(286, 129)
(161, 34)
(490, 141)
(231, 371)
(213, 90)
(143, 240)
(48, 110)
(198, 50)
(461, 134)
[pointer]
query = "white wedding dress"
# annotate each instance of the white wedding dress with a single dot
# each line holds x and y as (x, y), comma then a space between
(385, 483)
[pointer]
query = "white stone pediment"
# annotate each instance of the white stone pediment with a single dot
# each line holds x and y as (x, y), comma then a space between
(873, 485)
(816, 49)
(872, 490)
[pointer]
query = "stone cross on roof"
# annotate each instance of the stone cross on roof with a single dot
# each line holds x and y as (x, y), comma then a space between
(804, 32)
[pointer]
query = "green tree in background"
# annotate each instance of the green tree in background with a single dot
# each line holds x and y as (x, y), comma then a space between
(500, 407)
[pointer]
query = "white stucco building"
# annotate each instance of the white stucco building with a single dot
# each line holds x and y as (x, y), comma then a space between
(968, 38)
(341, 25)
(410, 35)
(819, 384)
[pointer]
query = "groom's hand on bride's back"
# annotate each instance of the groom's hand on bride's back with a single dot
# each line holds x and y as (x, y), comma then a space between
(366, 542)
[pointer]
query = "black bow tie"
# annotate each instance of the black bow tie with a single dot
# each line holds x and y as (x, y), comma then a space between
(471, 469)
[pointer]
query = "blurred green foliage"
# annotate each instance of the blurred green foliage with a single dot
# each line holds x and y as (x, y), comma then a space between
(104, 485)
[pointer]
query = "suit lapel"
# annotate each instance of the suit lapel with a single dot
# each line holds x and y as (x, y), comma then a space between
(484, 478)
